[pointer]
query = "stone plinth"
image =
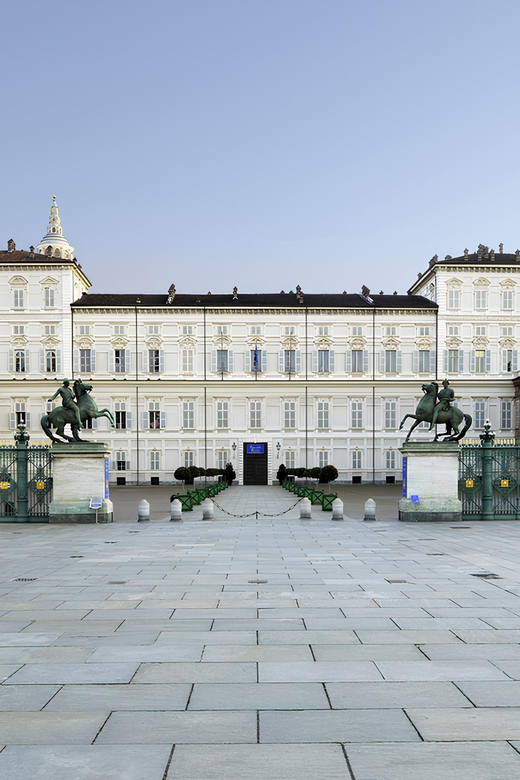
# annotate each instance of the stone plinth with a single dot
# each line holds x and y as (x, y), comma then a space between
(80, 472)
(432, 475)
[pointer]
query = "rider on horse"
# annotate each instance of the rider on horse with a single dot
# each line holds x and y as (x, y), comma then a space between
(445, 397)
(68, 401)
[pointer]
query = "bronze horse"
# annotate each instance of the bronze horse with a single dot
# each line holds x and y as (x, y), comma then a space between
(452, 417)
(59, 417)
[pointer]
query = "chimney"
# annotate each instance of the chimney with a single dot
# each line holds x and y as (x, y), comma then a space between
(235, 293)
(466, 253)
(171, 293)
(501, 249)
(492, 255)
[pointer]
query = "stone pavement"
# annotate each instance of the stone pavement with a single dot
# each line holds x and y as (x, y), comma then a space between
(269, 649)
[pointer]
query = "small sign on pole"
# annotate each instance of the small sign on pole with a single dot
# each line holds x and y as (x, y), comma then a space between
(415, 499)
(96, 503)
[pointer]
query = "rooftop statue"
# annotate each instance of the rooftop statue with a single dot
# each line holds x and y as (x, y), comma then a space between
(436, 408)
(77, 407)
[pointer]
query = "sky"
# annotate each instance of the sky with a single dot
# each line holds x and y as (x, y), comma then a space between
(261, 143)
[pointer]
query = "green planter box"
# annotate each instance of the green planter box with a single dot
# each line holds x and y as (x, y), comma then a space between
(328, 498)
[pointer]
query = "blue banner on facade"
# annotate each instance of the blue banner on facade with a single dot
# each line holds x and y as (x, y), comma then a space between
(405, 474)
(106, 477)
(255, 449)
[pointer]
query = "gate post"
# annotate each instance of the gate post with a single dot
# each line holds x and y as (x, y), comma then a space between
(487, 438)
(22, 443)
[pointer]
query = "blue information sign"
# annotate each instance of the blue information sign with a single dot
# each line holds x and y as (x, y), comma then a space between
(405, 474)
(255, 449)
(106, 477)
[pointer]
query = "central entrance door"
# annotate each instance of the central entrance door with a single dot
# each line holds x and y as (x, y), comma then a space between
(255, 463)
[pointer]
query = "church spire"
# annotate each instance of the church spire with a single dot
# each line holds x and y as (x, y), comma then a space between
(54, 243)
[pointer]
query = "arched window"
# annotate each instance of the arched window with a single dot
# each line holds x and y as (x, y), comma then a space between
(57, 253)
(50, 361)
(48, 251)
(19, 361)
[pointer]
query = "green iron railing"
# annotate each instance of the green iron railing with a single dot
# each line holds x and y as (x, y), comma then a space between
(316, 497)
(196, 497)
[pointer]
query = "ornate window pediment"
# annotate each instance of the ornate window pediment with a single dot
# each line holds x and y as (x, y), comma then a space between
(84, 342)
(222, 341)
(453, 342)
(18, 281)
(424, 343)
(50, 341)
(256, 341)
(358, 343)
(19, 342)
(289, 342)
(391, 343)
(153, 342)
(119, 342)
(323, 342)
(480, 341)
(454, 282)
(187, 342)
(507, 343)
(49, 282)
(481, 282)
(507, 284)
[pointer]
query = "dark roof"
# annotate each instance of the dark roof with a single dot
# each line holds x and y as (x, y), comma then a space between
(252, 300)
(24, 257)
(484, 259)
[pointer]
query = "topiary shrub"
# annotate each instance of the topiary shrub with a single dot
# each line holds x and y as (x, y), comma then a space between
(182, 473)
(328, 474)
(229, 473)
(281, 474)
(315, 472)
(300, 472)
(194, 471)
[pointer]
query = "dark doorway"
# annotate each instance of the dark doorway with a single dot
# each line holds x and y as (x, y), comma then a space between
(255, 463)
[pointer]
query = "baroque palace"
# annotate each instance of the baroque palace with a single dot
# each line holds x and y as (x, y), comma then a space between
(257, 379)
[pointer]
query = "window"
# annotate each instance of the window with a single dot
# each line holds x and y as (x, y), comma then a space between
(480, 414)
(289, 414)
(187, 361)
(357, 361)
(357, 414)
(83, 330)
(481, 299)
(121, 415)
(48, 297)
(507, 299)
(119, 330)
(323, 330)
(290, 459)
(222, 414)
(188, 459)
(390, 361)
(509, 360)
(390, 414)
(120, 361)
(480, 361)
(356, 459)
(255, 414)
(323, 414)
(154, 361)
(153, 330)
(49, 330)
(506, 417)
(222, 459)
(391, 330)
(424, 330)
(85, 361)
(323, 361)
(357, 330)
(453, 330)
(453, 299)
(18, 330)
(289, 330)
(20, 414)
(222, 359)
(453, 361)
(507, 331)
(323, 458)
(50, 405)
(20, 363)
(424, 361)
(50, 361)
(187, 330)
(121, 461)
(289, 361)
(154, 415)
(480, 330)
(255, 330)
(18, 298)
(188, 414)
(222, 330)
(154, 460)
(390, 459)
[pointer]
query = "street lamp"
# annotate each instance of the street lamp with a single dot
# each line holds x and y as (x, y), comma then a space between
(278, 448)
(234, 448)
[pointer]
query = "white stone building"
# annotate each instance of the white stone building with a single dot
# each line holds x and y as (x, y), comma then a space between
(315, 378)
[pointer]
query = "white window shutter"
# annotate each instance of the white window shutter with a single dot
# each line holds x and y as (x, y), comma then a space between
(75, 361)
(365, 361)
(163, 420)
(95, 423)
(12, 421)
(144, 362)
(399, 361)
(348, 361)
(331, 361)
(111, 361)
(415, 362)
(42, 361)
(112, 465)
(515, 360)
(248, 361)
(263, 360)
(128, 360)
(27, 365)
(128, 465)
(315, 361)
(488, 361)
(472, 360)
(504, 360)
(214, 360)
(298, 361)
(445, 361)
(281, 365)
(461, 361)
(161, 361)
(27, 419)
(92, 360)
(145, 420)
(231, 361)
(128, 420)
(382, 362)
(433, 362)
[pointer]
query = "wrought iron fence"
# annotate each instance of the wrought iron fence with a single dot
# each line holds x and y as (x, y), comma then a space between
(25, 480)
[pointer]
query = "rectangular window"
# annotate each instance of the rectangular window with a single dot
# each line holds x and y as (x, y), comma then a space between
(480, 414)
(119, 330)
(50, 361)
(153, 330)
(255, 330)
(255, 414)
(289, 361)
(323, 458)
(120, 415)
(323, 414)
(222, 330)
(154, 460)
(357, 361)
(222, 459)
(120, 366)
(187, 361)
(323, 330)
(290, 459)
(424, 361)
(506, 416)
(509, 360)
(188, 414)
(453, 361)
(507, 331)
(222, 414)
(356, 459)
(188, 459)
(20, 361)
(323, 361)
(84, 330)
(187, 330)
(154, 361)
(390, 459)
(49, 330)
(391, 330)
(48, 297)
(480, 330)
(222, 360)
(289, 415)
(357, 414)
(390, 414)
(18, 298)
(120, 461)
(289, 330)
(390, 361)
(18, 330)
(453, 330)
(20, 413)
(481, 298)
(154, 415)
(424, 330)
(507, 299)
(357, 330)
(85, 361)
(480, 361)
(453, 299)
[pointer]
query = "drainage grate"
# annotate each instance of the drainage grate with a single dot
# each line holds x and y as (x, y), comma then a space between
(437, 554)
(460, 527)
(257, 582)
(486, 575)
(75, 556)
(111, 542)
(115, 582)
(25, 579)
(396, 582)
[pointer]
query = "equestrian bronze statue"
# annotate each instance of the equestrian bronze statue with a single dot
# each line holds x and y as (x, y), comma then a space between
(436, 408)
(77, 407)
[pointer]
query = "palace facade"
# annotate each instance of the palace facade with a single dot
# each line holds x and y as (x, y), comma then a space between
(314, 378)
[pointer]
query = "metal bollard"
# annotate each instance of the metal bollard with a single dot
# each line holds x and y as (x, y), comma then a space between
(175, 510)
(337, 509)
(143, 511)
(370, 509)
(305, 509)
(208, 509)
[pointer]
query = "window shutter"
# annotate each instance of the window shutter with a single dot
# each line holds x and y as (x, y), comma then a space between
(298, 361)
(445, 361)
(75, 361)
(433, 362)
(27, 369)
(248, 361)
(92, 360)
(365, 361)
(28, 419)
(42, 361)
(163, 419)
(315, 361)
(472, 360)
(461, 361)
(128, 420)
(144, 362)
(145, 420)
(263, 361)
(399, 361)
(128, 360)
(128, 465)
(280, 362)
(111, 361)
(415, 362)
(382, 362)
(112, 465)
(488, 361)
(12, 420)
(331, 361)
(231, 361)
(95, 423)
(504, 360)
(515, 360)
(348, 361)
(214, 360)
(161, 361)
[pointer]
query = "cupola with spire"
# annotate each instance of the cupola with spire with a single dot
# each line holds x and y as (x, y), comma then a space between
(54, 243)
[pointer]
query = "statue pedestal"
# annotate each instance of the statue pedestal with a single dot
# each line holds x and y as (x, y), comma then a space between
(432, 471)
(80, 472)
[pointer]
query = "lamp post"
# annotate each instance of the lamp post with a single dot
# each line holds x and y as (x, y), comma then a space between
(234, 448)
(278, 448)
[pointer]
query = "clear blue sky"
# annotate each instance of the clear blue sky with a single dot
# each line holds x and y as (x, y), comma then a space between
(262, 143)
